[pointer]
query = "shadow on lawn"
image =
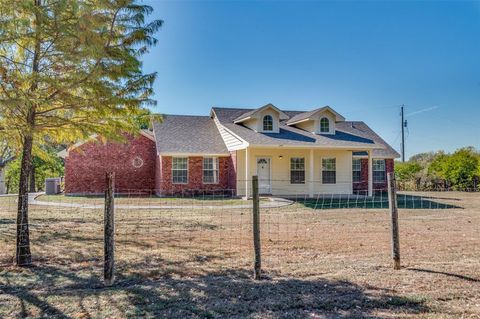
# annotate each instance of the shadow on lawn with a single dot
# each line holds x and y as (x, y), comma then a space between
(378, 201)
(449, 274)
(212, 295)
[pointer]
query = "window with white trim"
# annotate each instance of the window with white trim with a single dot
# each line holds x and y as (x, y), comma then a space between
(324, 125)
(180, 170)
(268, 123)
(329, 170)
(379, 172)
(210, 170)
(297, 170)
(357, 170)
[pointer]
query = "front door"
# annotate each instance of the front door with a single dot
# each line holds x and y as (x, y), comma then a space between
(263, 173)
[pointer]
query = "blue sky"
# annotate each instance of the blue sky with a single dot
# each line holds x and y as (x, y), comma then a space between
(364, 59)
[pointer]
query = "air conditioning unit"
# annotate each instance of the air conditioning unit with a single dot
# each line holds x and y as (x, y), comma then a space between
(52, 186)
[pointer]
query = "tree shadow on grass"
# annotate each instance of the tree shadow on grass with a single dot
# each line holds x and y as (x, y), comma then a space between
(378, 201)
(449, 274)
(223, 294)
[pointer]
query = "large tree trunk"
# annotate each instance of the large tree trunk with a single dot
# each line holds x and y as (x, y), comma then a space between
(32, 179)
(24, 257)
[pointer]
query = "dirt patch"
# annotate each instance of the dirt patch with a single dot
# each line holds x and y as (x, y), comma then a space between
(198, 263)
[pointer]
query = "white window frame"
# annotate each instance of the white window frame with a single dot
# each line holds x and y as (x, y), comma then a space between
(375, 169)
(323, 169)
(263, 123)
(359, 166)
(297, 170)
(215, 169)
(320, 124)
(178, 169)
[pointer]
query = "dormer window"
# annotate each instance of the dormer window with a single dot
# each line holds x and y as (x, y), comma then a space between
(324, 125)
(267, 123)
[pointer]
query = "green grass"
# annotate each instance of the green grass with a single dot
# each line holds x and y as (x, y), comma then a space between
(148, 200)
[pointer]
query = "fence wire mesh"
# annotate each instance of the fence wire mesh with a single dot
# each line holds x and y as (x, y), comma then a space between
(203, 232)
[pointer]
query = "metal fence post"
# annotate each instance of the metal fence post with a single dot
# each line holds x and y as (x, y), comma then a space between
(392, 200)
(256, 228)
(109, 231)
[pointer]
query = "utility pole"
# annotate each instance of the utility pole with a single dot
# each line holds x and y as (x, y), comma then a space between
(404, 125)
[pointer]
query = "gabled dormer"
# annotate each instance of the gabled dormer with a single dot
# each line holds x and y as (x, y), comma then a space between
(265, 119)
(318, 121)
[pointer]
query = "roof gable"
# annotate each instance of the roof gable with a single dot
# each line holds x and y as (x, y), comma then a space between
(306, 116)
(95, 137)
(248, 115)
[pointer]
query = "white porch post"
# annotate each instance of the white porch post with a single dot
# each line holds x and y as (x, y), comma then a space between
(311, 186)
(247, 171)
(370, 173)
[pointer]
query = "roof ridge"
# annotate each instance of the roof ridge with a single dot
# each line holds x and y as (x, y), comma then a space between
(186, 115)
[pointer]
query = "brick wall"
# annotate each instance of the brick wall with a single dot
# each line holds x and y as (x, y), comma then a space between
(362, 186)
(195, 183)
(85, 166)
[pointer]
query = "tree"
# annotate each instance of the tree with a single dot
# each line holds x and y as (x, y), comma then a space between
(7, 155)
(458, 169)
(461, 168)
(408, 172)
(46, 162)
(69, 68)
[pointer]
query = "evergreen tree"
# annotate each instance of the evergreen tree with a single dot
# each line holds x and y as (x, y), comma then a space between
(69, 68)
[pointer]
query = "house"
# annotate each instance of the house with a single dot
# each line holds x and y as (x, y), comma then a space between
(292, 152)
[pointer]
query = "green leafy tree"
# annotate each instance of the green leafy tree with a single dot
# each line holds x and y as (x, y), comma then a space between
(408, 172)
(46, 163)
(461, 168)
(69, 68)
(438, 167)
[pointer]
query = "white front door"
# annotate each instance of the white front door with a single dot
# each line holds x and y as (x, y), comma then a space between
(263, 173)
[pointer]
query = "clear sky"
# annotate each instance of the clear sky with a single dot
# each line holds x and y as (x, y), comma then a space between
(364, 59)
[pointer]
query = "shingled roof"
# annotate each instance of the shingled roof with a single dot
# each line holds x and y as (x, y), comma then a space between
(348, 134)
(185, 134)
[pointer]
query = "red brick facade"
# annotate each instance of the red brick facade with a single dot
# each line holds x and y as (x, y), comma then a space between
(362, 186)
(133, 163)
(138, 168)
(195, 185)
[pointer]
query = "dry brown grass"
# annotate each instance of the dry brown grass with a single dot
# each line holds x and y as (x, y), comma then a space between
(198, 263)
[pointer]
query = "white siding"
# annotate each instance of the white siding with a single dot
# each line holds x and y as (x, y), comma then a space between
(231, 141)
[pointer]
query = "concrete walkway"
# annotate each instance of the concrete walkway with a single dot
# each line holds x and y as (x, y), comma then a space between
(273, 202)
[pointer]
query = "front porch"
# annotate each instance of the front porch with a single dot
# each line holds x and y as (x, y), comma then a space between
(298, 171)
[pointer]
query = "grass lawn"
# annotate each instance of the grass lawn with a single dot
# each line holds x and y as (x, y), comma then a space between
(198, 263)
(207, 200)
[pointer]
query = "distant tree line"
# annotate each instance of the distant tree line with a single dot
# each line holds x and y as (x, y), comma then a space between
(459, 170)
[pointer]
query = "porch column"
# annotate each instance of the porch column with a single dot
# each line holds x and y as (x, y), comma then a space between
(370, 173)
(311, 186)
(247, 171)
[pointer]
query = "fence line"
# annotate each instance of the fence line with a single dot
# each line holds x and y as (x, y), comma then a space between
(200, 232)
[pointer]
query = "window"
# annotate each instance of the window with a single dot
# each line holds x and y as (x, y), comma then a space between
(297, 170)
(379, 173)
(180, 170)
(329, 170)
(268, 123)
(324, 125)
(210, 170)
(357, 170)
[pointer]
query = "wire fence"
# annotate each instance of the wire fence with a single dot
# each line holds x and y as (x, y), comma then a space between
(199, 231)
